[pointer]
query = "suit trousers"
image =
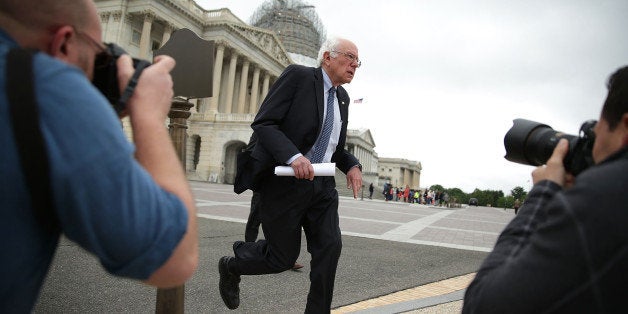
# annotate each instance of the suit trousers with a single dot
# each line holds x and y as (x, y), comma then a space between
(287, 204)
(252, 224)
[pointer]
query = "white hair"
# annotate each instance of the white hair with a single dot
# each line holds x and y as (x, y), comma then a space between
(330, 45)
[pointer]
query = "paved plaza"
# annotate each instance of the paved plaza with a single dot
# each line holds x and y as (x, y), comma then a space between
(396, 257)
(468, 228)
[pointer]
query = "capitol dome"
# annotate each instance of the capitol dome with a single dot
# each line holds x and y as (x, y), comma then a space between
(297, 25)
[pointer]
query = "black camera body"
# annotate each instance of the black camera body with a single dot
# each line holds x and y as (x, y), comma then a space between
(532, 143)
(106, 76)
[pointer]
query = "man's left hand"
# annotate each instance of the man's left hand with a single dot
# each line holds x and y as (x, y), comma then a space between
(554, 170)
(354, 180)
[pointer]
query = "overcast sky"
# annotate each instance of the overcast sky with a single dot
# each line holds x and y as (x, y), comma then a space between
(443, 80)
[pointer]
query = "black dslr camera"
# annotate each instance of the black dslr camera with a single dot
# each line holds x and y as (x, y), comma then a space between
(532, 143)
(106, 76)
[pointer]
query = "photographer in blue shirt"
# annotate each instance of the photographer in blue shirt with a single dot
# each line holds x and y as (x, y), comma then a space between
(130, 206)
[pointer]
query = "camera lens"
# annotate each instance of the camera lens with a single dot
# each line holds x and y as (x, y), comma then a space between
(532, 143)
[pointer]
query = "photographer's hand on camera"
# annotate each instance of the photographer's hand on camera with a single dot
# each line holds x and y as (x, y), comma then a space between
(153, 94)
(554, 169)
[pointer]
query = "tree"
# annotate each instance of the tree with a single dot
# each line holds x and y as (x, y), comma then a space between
(505, 202)
(487, 197)
(495, 198)
(494, 195)
(518, 193)
(460, 196)
(481, 197)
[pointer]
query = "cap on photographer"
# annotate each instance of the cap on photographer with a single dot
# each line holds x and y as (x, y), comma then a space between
(130, 206)
(566, 250)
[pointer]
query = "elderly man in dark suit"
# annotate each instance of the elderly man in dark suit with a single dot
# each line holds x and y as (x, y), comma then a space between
(303, 120)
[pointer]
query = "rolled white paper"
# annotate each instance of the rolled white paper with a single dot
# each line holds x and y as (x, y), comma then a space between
(324, 169)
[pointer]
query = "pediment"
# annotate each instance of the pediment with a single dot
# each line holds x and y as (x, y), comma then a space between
(265, 40)
(362, 134)
(366, 135)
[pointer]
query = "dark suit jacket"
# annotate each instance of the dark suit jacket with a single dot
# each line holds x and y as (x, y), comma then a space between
(288, 122)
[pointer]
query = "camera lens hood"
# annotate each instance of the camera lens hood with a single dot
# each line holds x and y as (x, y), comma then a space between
(516, 140)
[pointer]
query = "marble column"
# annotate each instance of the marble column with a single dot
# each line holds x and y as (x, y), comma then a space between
(220, 53)
(254, 91)
(104, 24)
(168, 28)
(407, 177)
(145, 39)
(360, 153)
(231, 82)
(265, 85)
(243, 82)
(115, 28)
(364, 158)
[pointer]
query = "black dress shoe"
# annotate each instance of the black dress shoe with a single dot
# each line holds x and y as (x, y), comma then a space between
(229, 284)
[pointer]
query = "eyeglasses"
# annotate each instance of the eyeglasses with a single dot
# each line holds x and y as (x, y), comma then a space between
(103, 56)
(350, 57)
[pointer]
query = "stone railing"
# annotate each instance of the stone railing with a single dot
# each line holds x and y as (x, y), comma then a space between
(223, 117)
(222, 14)
(214, 14)
(235, 117)
(202, 117)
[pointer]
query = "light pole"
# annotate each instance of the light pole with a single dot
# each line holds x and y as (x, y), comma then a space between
(171, 300)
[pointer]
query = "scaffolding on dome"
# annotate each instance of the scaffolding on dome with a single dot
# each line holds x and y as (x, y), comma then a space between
(295, 22)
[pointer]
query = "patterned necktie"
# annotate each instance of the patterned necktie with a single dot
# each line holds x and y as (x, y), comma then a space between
(328, 125)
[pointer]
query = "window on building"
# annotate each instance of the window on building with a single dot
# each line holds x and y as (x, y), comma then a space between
(156, 45)
(135, 37)
(197, 151)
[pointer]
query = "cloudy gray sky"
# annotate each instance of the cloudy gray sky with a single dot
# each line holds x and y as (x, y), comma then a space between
(443, 80)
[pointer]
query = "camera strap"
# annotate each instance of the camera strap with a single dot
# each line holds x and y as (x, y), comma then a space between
(30, 143)
(130, 87)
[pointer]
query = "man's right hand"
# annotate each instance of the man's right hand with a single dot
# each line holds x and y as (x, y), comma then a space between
(153, 94)
(303, 168)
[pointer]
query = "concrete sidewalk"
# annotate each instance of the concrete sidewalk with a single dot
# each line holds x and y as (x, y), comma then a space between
(374, 276)
(444, 296)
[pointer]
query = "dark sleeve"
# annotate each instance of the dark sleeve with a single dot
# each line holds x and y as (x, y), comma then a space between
(344, 160)
(273, 110)
(531, 265)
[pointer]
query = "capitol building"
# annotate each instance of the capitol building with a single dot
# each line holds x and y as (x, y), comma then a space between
(248, 58)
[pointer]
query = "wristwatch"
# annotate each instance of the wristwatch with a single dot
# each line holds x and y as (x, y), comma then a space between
(359, 165)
